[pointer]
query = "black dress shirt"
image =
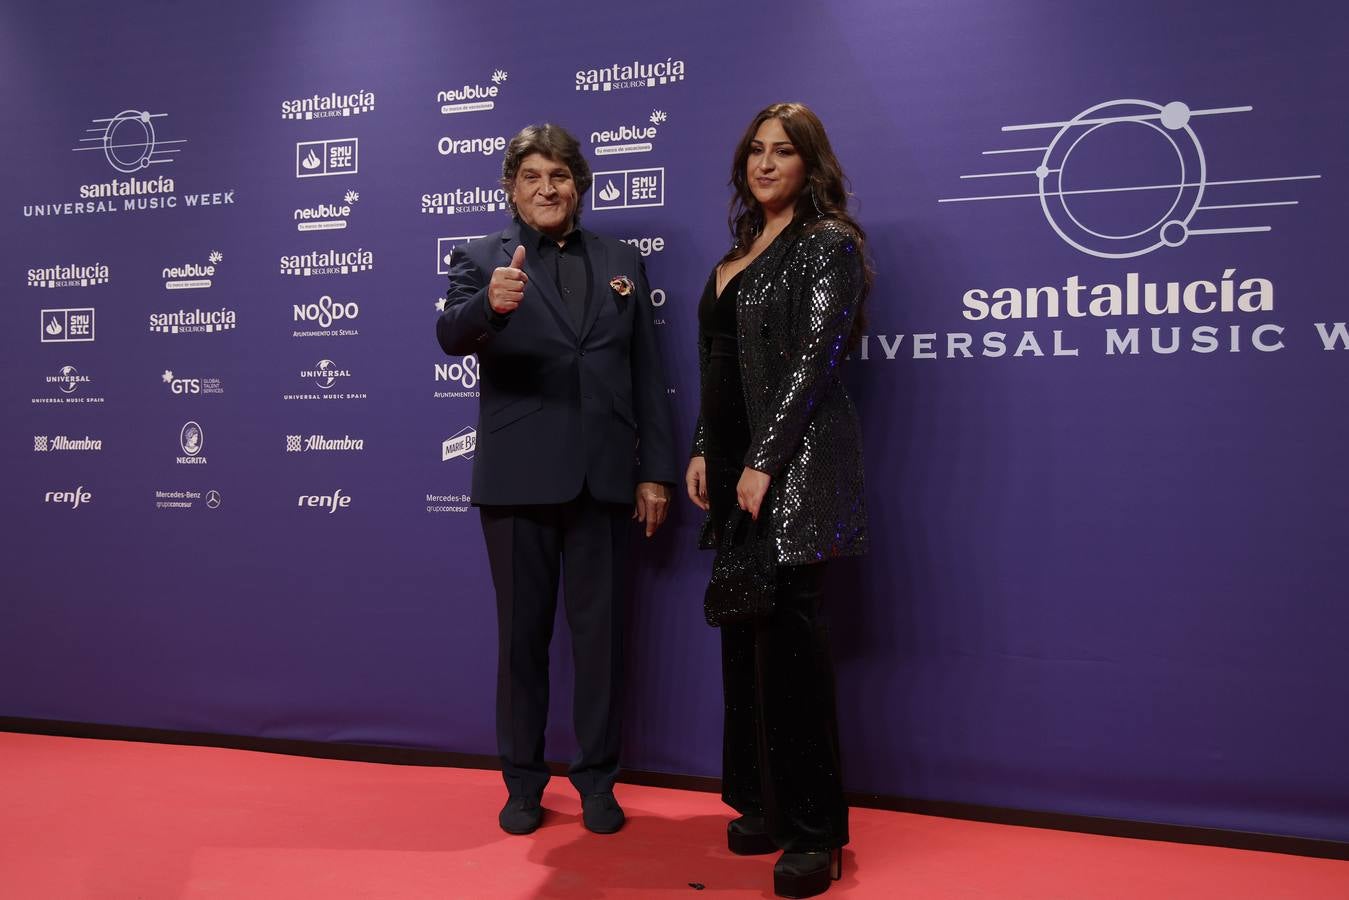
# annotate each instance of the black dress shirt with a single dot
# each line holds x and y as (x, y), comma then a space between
(568, 264)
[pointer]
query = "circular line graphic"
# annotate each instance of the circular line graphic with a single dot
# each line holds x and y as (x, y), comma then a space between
(1174, 117)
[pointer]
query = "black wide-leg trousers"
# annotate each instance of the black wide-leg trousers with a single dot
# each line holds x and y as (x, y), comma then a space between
(583, 544)
(780, 757)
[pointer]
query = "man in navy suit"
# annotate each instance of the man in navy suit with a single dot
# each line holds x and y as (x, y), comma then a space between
(574, 440)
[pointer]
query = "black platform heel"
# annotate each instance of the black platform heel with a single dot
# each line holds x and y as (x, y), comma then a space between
(748, 836)
(799, 875)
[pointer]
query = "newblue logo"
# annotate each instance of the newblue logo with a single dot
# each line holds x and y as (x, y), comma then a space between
(628, 138)
(472, 97)
(191, 276)
(326, 216)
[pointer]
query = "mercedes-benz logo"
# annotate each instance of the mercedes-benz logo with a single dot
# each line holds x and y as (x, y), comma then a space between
(212, 499)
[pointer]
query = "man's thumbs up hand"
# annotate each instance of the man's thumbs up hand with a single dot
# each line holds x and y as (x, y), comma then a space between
(507, 287)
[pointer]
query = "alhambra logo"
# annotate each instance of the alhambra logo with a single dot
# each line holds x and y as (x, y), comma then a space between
(189, 276)
(462, 200)
(1145, 153)
(622, 76)
(326, 216)
(629, 138)
(68, 276)
(472, 97)
(328, 106)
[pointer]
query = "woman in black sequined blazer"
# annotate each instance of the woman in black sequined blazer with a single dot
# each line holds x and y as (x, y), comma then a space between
(778, 436)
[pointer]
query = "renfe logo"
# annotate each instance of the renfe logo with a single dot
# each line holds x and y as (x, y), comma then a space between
(74, 498)
(337, 500)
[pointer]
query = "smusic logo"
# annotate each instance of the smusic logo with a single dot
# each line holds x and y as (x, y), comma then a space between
(315, 159)
(628, 189)
(61, 326)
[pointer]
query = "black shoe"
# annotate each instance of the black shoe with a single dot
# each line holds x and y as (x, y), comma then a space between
(601, 813)
(748, 836)
(520, 815)
(806, 874)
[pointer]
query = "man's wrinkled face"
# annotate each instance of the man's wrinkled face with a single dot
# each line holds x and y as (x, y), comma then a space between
(545, 195)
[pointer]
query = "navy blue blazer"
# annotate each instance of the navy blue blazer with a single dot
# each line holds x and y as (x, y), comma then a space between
(560, 407)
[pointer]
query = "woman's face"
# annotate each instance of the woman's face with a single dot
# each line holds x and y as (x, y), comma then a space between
(775, 171)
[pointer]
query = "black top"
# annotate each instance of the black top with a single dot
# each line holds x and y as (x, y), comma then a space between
(569, 264)
(725, 420)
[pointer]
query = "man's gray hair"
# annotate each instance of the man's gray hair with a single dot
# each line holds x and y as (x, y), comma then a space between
(554, 142)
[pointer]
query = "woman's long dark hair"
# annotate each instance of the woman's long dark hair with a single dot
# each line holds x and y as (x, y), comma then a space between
(823, 196)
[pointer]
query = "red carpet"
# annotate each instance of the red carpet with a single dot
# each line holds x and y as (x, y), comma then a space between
(105, 819)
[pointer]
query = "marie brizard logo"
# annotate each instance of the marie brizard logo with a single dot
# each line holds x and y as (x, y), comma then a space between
(1126, 177)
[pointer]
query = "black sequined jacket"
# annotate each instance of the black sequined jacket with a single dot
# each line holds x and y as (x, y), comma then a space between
(794, 312)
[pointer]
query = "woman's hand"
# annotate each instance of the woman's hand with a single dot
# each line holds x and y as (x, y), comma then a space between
(749, 492)
(695, 479)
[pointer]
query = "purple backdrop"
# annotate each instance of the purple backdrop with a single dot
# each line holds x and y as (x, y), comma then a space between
(1106, 579)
